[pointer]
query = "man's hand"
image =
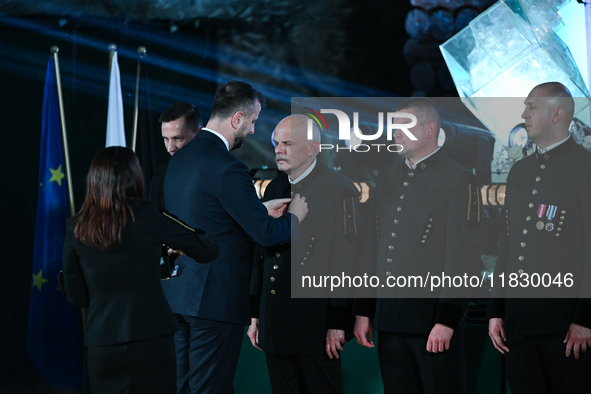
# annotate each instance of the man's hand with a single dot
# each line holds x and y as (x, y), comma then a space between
(334, 341)
(175, 254)
(298, 207)
(439, 338)
(253, 332)
(577, 338)
(277, 207)
(362, 330)
(496, 332)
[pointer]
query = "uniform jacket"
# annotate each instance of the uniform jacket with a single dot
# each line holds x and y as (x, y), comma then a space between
(560, 178)
(121, 287)
(426, 223)
(209, 188)
(328, 237)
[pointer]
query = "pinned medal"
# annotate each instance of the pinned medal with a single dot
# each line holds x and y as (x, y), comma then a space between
(541, 211)
(550, 215)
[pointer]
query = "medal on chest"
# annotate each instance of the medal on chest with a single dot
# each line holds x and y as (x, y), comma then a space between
(550, 213)
(541, 211)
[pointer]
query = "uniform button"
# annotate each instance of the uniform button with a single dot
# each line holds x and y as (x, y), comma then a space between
(426, 231)
(275, 266)
(521, 258)
(423, 241)
(302, 263)
(405, 184)
(538, 179)
(424, 237)
(307, 253)
(272, 291)
(542, 166)
(388, 273)
(411, 174)
(524, 231)
(272, 279)
(312, 239)
(393, 235)
(520, 271)
(428, 226)
(305, 258)
(402, 196)
(528, 218)
(399, 209)
(430, 219)
(277, 254)
(557, 235)
(562, 218)
(391, 247)
(396, 221)
(563, 212)
(531, 205)
(534, 192)
(523, 244)
(388, 260)
(560, 223)
(559, 229)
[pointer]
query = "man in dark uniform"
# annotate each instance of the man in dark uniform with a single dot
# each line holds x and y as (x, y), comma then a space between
(546, 230)
(302, 337)
(427, 211)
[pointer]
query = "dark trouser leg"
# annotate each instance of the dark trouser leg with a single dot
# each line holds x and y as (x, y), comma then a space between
(407, 367)
(213, 355)
(285, 374)
(400, 373)
(181, 342)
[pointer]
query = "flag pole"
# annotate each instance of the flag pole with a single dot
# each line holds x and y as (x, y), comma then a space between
(112, 49)
(69, 190)
(142, 52)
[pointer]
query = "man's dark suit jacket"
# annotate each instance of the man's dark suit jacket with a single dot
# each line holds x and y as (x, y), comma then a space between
(328, 238)
(121, 287)
(209, 188)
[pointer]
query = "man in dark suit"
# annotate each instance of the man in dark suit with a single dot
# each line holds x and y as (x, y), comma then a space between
(546, 229)
(427, 216)
(180, 124)
(302, 337)
(210, 188)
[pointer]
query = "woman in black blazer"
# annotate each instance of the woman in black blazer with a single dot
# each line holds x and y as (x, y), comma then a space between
(111, 267)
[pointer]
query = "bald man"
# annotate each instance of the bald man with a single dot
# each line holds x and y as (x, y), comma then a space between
(302, 337)
(546, 229)
(427, 219)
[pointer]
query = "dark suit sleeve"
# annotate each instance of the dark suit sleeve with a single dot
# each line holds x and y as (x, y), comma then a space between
(582, 312)
(365, 301)
(195, 243)
(345, 242)
(74, 283)
(496, 303)
(238, 197)
(461, 246)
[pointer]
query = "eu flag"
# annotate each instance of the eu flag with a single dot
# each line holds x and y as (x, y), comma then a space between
(53, 341)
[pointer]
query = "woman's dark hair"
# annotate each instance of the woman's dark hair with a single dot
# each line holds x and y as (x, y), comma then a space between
(114, 179)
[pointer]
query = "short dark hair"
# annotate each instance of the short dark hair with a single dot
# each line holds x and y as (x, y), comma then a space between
(191, 114)
(235, 96)
(427, 109)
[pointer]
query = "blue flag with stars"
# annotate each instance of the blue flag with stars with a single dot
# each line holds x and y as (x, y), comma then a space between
(53, 342)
